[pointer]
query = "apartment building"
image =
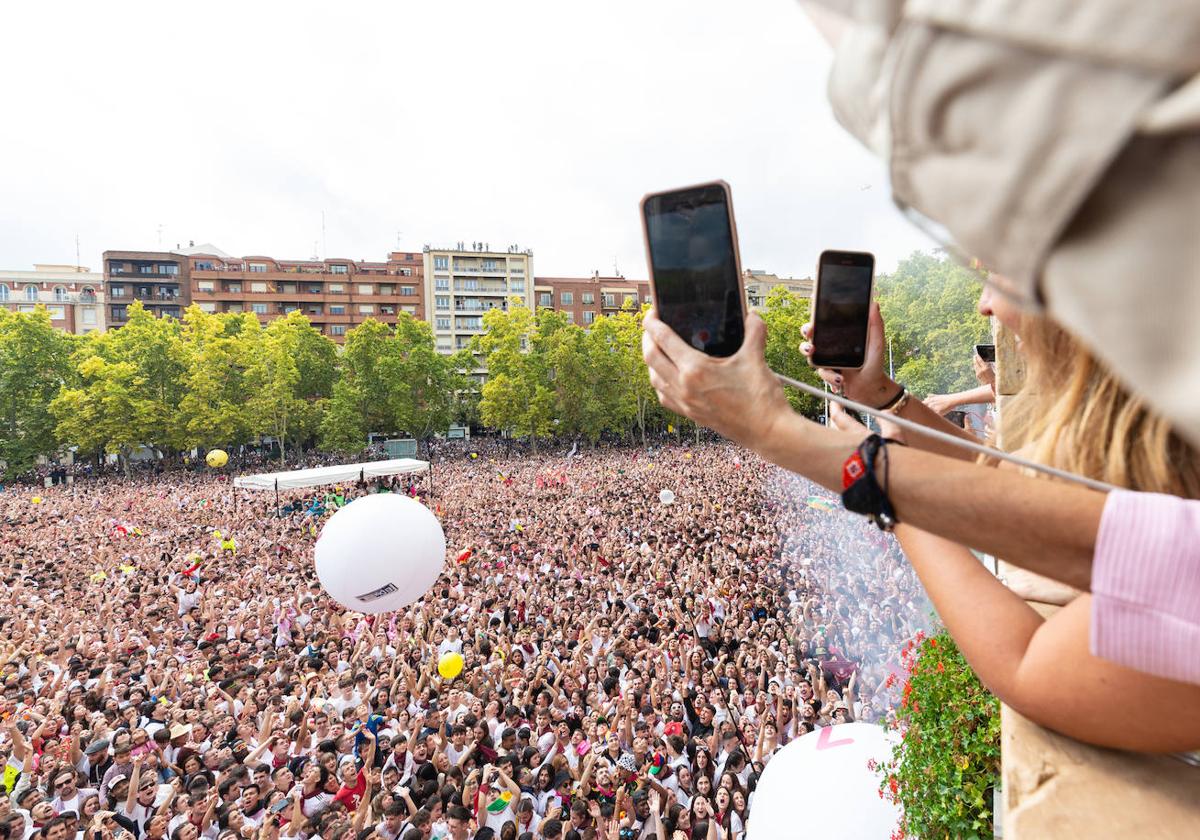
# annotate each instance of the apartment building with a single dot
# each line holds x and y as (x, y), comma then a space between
(72, 295)
(335, 294)
(462, 283)
(760, 283)
(159, 279)
(584, 299)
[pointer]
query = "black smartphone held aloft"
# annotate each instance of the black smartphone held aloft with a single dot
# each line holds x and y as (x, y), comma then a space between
(987, 352)
(841, 308)
(695, 274)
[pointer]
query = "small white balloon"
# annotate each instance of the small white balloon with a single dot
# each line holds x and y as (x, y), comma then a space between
(824, 776)
(381, 553)
(667, 497)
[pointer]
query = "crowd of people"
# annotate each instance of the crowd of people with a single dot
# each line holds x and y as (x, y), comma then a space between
(171, 668)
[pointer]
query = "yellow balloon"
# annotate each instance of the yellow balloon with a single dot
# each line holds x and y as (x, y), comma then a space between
(217, 458)
(37, 500)
(450, 665)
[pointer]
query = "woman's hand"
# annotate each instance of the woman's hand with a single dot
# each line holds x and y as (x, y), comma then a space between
(737, 396)
(870, 384)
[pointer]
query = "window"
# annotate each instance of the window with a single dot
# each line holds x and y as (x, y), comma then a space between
(407, 291)
(234, 307)
(337, 329)
(442, 263)
(60, 294)
(170, 268)
(116, 291)
(406, 272)
(387, 289)
(443, 323)
(587, 298)
(337, 309)
(258, 286)
(89, 316)
(444, 345)
(608, 300)
(441, 284)
(118, 313)
(208, 306)
(88, 295)
(647, 299)
(258, 268)
(337, 289)
(411, 310)
(566, 298)
(234, 288)
(204, 265)
(544, 298)
(516, 285)
(287, 288)
(442, 301)
(145, 269)
(589, 317)
(31, 292)
(366, 309)
(366, 289)
(312, 290)
(570, 316)
(26, 308)
(387, 310)
(469, 285)
(258, 308)
(338, 269)
(3, 292)
(204, 285)
(489, 265)
(116, 268)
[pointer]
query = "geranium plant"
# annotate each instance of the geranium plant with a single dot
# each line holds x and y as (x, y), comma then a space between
(947, 762)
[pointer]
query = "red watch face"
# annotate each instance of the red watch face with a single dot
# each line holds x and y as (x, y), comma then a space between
(852, 470)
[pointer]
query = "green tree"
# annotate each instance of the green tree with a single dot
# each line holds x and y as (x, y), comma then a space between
(784, 313)
(423, 381)
(218, 352)
(929, 307)
(360, 401)
(278, 405)
(633, 399)
(517, 396)
(131, 382)
(35, 363)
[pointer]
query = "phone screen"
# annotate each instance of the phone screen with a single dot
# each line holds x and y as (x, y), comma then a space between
(987, 352)
(694, 267)
(842, 308)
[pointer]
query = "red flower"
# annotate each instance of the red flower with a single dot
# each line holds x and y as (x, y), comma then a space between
(933, 642)
(941, 667)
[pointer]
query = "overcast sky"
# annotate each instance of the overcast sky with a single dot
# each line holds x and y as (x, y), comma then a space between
(538, 123)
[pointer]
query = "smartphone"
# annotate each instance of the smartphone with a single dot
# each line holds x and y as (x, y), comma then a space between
(695, 272)
(841, 307)
(987, 352)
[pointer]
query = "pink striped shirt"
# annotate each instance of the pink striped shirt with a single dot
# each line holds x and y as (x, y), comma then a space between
(1146, 585)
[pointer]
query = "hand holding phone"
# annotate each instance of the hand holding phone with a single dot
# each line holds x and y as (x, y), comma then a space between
(695, 274)
(842, 309)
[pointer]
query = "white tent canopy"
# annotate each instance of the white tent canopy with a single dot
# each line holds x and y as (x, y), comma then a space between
(336, 474)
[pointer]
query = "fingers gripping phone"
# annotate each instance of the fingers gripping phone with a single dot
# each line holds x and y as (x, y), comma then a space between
(987, 352)
(841, 309)
(695, 273)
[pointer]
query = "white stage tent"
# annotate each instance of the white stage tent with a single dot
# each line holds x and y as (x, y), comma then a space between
(336, 474)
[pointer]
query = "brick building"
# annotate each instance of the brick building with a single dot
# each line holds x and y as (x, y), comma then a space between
(335, 294)
(584, 299)
(159, 279)
(72, 295)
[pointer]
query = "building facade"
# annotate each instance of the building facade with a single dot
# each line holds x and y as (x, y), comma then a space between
(159, 279)
(584, 299)
(335, 294)
(74, 296)
(461, 284)
(759, 284)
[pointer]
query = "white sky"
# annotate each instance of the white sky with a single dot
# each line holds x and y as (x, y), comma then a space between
(538, 123)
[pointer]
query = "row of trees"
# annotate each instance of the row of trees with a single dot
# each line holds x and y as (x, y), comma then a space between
(225, 380)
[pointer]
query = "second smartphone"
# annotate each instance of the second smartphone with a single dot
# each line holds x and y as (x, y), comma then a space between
(842, 308)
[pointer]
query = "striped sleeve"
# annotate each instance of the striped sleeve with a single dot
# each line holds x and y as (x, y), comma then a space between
(1146, 585)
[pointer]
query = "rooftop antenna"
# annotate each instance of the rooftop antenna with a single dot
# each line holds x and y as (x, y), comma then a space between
(78, 262)
(616, 271)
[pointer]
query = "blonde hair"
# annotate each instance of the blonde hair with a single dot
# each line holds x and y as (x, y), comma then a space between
(1072, 413)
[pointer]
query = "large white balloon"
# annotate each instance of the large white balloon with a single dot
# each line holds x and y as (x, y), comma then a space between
(667, 497)
(380, 553)
(820, 785)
